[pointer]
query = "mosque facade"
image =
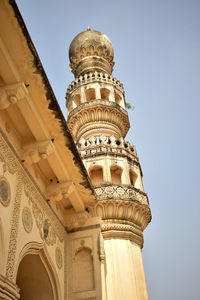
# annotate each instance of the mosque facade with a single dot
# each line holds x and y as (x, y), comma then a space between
(72, 204)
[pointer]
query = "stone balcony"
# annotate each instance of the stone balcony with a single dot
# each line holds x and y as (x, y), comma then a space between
(124, 211)
(94, 77)
(103, 145)
(108, 191)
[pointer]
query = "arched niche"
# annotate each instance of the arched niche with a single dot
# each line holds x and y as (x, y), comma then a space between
(96, 175)
(116, 174)
(83, 270)
(90, 94)
(118, 99)
(133, 177)
(36, 276)
(77, 100)
(105, 93)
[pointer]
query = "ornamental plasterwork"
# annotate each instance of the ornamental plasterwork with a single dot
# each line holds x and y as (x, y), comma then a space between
(122, 229)
(59, 259)
(97, 111)
(90, 51)
(121, 192)
(14, 227)
(12, 164)
(123, 210)
(120, 232)
(47, 234)
(27, 219)
(4, 191)
(41, 212)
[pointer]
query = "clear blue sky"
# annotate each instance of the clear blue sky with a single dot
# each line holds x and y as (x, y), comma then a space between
(157, 49)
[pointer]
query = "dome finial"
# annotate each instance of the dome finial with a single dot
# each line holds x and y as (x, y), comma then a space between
(89, 28)
(90, 51)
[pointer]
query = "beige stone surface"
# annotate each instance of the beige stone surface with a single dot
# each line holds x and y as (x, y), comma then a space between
(71, 215)
(125, 277)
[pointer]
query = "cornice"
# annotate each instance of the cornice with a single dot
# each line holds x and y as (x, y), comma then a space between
(123, 210)
(40, 111)
(122, 230)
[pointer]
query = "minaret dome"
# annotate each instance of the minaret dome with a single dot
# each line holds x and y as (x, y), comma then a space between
(91, 51)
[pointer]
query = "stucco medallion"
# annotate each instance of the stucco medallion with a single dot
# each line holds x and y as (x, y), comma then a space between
(58, 258)
(27, 219)
(4, 191)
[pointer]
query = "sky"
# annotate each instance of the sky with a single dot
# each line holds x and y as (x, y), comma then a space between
(157, 49)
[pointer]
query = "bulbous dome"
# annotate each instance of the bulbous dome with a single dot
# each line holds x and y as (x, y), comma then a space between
(89, 51)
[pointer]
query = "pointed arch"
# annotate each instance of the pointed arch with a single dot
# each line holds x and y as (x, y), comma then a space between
(105, 93)
(96, 174)
(118, 99)
(37, 253)
(90, 94)
(77, 99)
(133, 177)
(83, 269)
(116, 174)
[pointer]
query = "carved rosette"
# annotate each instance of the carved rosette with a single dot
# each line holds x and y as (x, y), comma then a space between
(96, 117)
(122, 192)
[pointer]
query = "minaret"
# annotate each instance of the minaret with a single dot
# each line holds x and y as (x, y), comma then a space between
(99, 122)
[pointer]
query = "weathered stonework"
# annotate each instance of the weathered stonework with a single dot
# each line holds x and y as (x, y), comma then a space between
(61, 236)
(99, 123)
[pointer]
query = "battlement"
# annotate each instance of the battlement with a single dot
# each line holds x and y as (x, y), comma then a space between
(106, 145)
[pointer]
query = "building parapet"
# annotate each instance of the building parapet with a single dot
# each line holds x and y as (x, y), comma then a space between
(106, 145)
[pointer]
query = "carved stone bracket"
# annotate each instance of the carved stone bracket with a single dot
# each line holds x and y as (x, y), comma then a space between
(10, 94)
(75, 220)
(56, 192)
(33, 153)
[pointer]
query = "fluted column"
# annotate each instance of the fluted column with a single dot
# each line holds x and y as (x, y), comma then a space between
(125, 277)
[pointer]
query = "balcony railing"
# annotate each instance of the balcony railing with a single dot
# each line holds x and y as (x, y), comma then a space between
(108, 191)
